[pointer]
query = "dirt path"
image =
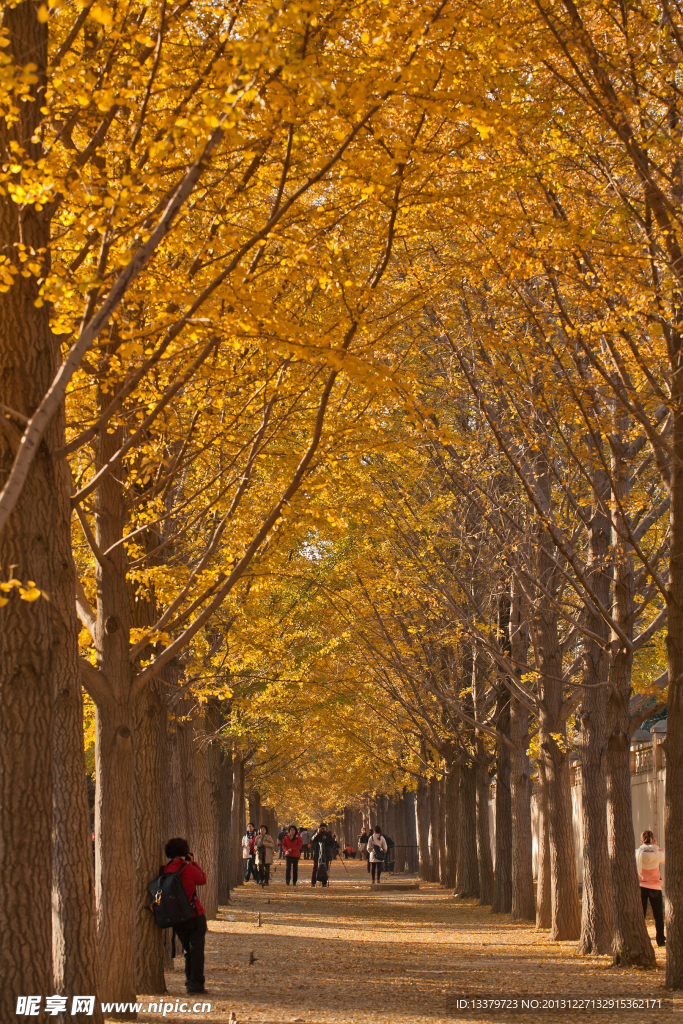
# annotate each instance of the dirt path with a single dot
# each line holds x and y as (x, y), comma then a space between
(346, 954)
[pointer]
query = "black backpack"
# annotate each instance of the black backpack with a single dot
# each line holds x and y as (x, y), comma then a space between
(170, 904)
(322, 874)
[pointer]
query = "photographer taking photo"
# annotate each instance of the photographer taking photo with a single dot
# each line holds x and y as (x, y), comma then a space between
(191, 933)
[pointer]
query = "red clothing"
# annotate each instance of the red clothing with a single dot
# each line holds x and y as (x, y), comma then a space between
(291, 847)
(191, 876)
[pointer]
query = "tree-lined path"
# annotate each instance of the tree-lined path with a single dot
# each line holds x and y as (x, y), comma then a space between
(347, 954)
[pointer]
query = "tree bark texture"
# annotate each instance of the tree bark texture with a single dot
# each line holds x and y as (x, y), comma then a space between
(206, 774)
(596, 905)
(434, 829)
(443, 869)
(523, 907)
(452, 800)
(236, 827)
(151, 758)
(32, 547)
(673, 803)
(544, 910)
(223, 822)
(468, 865)
(502, 890)
(116, 884)
(422, 817)
(631, 945)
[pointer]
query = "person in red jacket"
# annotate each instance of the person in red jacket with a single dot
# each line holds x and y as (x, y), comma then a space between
(291, 847)
(191, 933)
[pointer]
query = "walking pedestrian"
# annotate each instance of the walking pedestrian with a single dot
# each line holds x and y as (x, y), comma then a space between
(191, 933)
(305, 843)
(363, 843)
(280, 836)
(377, 847)
(322, 849)
(264, 846)
(248, 854)
(291, 846)
(648, 858)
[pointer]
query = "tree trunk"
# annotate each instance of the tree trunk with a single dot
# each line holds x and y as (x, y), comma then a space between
(443, 867)
(74, 940)
(523, 907)
(502, 892)
(452, 801)
(400, 837)
(224, 826)
(673, 801)
(486, 880)
(422, 816)
(255, 809)
(596, 906)
(544, 908)
(564, 894)
(151, 758)
(631, 945)
(236, 827)
(468, 866)
(434, 829)
(484, 836)
(206, 814)
(116, 885)
(32, 547)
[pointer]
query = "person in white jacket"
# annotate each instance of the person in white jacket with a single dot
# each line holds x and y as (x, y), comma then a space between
(377, 851)
(648, 858)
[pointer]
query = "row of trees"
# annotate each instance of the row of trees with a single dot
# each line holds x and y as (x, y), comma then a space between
(339, 371)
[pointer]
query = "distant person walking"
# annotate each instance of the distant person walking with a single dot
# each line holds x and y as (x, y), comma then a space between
(305, 843)
(248, 854)
(291, 847)
(263, 847)
(648, 858)
(281, 835)
(323, 850)
(377, 847)
(192, 933)
(363, 843)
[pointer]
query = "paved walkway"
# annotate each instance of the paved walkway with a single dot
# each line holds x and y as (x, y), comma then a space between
(346, 954)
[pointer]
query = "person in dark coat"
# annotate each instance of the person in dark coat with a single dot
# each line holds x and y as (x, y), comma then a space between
(322, 845)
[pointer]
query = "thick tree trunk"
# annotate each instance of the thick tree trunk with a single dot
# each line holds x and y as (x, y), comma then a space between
(544, 909)
(523, 907)
(596, 906)
(673, 803)
(32, 547)
(151, 758)
(468, 866)
(502, 892)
